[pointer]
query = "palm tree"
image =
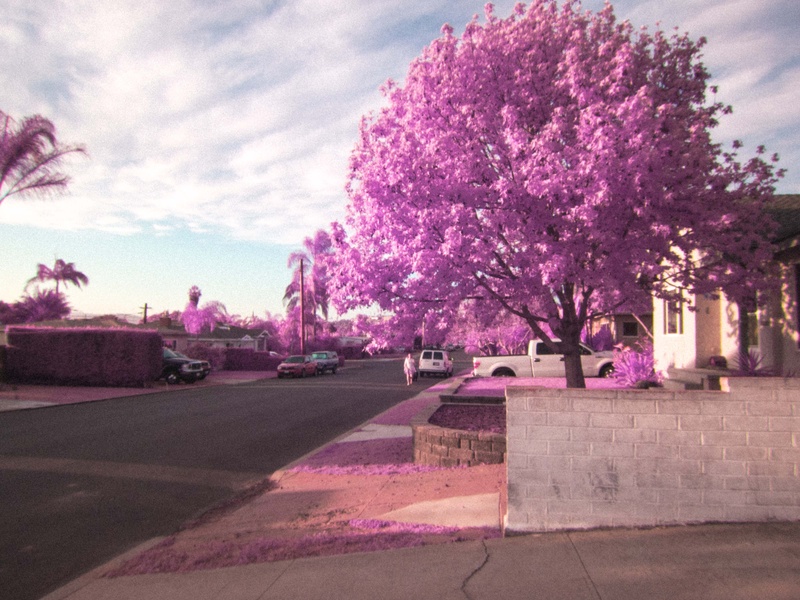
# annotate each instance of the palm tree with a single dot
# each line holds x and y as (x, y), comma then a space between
(61, 272)
(316, 294)
(195, 318)
(29, 157)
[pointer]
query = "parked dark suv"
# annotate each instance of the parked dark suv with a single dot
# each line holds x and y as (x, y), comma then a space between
(177, 368)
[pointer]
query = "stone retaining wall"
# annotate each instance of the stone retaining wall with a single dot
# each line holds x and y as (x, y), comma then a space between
(443, 447)
(580, 459)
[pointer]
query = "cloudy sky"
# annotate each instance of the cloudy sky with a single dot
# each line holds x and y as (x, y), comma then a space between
(218, 133)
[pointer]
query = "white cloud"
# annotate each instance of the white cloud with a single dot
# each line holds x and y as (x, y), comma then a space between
(239, 118)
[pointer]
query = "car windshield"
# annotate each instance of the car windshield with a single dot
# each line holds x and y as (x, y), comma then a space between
(170, 354)
(319, 355)
(295, 359)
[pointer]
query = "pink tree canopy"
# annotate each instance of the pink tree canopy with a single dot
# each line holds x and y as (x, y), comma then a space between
(557, 164)
(195, 318)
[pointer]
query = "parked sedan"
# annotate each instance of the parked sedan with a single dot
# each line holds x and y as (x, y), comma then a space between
(297, 366)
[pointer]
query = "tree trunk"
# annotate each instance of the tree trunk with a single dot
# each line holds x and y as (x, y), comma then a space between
(568, 328)
(573, 368)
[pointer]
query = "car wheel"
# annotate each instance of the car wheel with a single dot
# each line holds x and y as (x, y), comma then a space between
(503, 373)
(303, 374)
(607, 371)
(333, 370)
(172, 378)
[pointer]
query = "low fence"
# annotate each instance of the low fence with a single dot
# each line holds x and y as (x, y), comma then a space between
(581, 459)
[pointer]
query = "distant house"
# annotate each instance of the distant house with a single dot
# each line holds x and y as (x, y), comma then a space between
(626, 328)
(688, 339)
(223, 336)
(230, 336)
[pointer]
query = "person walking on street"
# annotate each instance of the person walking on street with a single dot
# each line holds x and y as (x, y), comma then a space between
(410, 368)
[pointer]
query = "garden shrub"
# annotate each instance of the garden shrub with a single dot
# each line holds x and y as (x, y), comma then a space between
(635, 368)
(215, 356)
(247, 359)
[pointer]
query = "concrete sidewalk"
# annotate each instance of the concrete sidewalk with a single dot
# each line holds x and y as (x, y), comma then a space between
(360, 493)
(711, 562)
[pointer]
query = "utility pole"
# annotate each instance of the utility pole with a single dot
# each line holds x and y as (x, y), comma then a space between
(302, 310)
(145, 307)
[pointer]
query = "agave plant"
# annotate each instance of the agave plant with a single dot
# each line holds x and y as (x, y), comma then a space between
(750, 364)
(636, 368)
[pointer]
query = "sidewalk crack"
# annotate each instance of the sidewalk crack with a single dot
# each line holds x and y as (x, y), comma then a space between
(477, 570)
(583, 566)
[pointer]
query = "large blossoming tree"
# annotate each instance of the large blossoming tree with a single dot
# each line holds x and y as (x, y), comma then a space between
(557, 164)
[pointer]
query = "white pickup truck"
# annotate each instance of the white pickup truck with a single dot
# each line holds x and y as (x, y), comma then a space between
(541, 361)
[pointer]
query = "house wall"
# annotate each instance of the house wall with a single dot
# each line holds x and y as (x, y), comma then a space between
(713, 329)
(250, 344)
(617, 324)
(580, 459)
(779, 341)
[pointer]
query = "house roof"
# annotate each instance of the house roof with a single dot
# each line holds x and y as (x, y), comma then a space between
(103, 322)
(231, 332)
(785, 209)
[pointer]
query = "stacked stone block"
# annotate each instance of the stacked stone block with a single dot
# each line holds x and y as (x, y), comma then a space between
(444, 447)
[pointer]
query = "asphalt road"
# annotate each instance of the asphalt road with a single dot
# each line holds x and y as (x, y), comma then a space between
(82, 483)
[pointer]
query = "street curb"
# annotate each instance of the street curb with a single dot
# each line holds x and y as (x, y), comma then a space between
(68, 589)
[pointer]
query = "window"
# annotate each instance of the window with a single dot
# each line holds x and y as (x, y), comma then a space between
(543, 349)
(630, 329)
(673, 317)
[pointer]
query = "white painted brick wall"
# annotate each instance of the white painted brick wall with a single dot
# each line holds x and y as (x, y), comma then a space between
(634, 458)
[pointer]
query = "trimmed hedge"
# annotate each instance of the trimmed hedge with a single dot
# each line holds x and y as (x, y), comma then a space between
(247, 359)
(83, 356)
(215, 356)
